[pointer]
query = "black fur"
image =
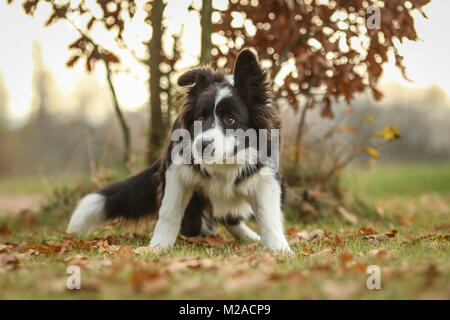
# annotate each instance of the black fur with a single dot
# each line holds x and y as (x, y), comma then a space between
(134, 197)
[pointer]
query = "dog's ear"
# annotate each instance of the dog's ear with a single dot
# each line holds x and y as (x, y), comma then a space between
(250, 79)
(200, 77)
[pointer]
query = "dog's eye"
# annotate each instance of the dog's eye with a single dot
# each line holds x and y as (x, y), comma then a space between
(229, 121)
(200, 118)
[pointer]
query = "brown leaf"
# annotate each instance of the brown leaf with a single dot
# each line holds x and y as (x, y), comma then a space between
(381, 236)
(350, 217)
(142, 251)
(5, 231)
(4, 248)
(183, 264)
(9, 262)
(322, 253)
(150, 281)
(246, 281)
(87, 262)
(339, 290)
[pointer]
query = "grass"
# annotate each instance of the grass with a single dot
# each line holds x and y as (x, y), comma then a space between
(37, 184)
(414, 263)
(406, 179)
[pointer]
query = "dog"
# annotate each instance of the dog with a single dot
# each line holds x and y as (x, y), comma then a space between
(215, 176)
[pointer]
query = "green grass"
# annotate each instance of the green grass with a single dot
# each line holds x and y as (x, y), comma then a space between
(405, 179)
(38, 184)
(411, 268)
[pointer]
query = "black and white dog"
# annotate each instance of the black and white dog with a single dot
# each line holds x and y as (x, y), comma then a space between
(222, 174)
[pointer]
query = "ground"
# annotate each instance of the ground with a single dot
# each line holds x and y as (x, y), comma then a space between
(406, 236)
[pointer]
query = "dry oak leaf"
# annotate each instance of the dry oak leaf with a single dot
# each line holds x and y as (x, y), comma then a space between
(182, 264)
(381, 253)
(142, 251)
(245, 281)
(39, 249)
(337, 290)
(306, 235)
(350, 217)
(150, 281)
(381, 236)
(211, 241)
(9, 262)
(324, 252)
(84, 261)
(4, 248)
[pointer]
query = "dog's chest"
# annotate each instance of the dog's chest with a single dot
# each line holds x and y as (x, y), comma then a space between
(225, 195)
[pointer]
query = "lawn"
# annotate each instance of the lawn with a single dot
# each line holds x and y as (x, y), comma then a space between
(406, 236)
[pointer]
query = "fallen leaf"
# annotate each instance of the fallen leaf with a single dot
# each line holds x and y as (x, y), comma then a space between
(5, 231)
(379, 211)
(431, 273)
(4, 248)
(182, 264)
(306, 235)
(84, 261)
(146, 251)
(150, 281)
(337, 290)
(307, 209)
(321, 253)
(381, 236)
(350, 217)
(245, 281)
(9, 262)
(211, 241)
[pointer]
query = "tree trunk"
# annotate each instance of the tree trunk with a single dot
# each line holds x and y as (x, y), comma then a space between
(207, 28)
(156, 128)
(120, 117)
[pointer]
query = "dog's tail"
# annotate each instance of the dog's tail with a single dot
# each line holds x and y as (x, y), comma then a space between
(132, 198)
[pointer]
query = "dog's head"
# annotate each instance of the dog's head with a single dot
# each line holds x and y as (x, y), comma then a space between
(220, 108)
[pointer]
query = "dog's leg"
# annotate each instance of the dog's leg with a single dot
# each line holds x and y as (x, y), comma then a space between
(173, 205)
(241, 232)
(266, 204)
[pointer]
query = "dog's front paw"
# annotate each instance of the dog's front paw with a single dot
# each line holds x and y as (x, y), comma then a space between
(280, 246)
(160, 243)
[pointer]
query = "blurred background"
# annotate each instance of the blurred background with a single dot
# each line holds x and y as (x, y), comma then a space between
(89, 87)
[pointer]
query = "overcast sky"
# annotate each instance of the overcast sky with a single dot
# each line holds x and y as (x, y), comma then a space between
(428, 61)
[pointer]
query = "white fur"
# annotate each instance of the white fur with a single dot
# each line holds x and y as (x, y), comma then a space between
(260, 193)
(266, 204)
(221, 94)
(241, 232)
(174, 203)
(88, 214)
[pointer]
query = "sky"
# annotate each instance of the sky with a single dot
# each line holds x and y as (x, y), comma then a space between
(427, 61)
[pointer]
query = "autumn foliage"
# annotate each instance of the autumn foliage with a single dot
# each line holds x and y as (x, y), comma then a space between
(322, 52)
(330, 48)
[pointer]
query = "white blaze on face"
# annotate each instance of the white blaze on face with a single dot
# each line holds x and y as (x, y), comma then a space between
(221, 146)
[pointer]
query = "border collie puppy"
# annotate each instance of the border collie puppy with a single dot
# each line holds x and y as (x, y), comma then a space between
(215, 167)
